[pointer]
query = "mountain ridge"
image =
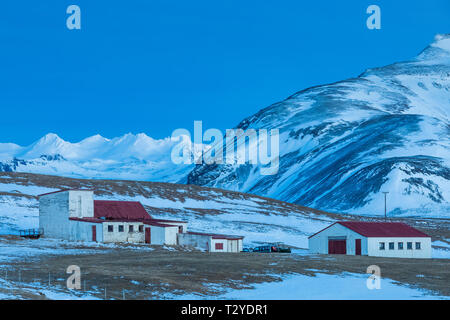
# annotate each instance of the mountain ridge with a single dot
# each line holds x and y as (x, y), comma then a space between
(377, 132)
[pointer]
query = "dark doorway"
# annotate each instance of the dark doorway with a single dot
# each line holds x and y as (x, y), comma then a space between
(147, 235)
(94, 233)
(337, 246)
(358, 247)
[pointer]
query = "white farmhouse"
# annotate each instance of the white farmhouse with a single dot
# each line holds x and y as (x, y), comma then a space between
(378, 239)
(74, 215)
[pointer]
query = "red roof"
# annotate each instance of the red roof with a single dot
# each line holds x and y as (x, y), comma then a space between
(380, 229)
(120, 210)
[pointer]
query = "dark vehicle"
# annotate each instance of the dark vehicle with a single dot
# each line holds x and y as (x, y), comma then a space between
(272, 248)
(263, 249)
(284, 250)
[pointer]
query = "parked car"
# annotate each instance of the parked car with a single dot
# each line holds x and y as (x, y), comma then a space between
(284, 250)
(246, 250)
(264, 249)
(271, 248)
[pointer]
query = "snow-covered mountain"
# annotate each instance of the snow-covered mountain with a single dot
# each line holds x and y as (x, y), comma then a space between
(134, 157)
(343, 144)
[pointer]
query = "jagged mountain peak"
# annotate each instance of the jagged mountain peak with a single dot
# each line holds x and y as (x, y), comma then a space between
(94, 139)
(50, 138)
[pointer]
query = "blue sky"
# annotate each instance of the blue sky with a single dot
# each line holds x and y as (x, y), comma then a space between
(154, 66)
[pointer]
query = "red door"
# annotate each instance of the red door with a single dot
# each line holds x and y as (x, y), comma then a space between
(94, 233)
(358, 247)
(147, 235)
(337, 246)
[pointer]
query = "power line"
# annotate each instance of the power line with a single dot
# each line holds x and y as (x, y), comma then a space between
(385, 207)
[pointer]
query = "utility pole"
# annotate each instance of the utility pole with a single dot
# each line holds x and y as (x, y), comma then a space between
(385, 210)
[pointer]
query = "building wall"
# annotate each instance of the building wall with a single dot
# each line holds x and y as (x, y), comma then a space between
(171, 235)
(224, 243)
(234, 245)
(81, 204)
(82, 231)
(195, 240)
(158, 235)
(125, 235)
(54, 215)
(177, 224)
(319, 242)
(206, 242)
(424, 252)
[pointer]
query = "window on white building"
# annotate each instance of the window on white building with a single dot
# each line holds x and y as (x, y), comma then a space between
(391, 245)
(110, 228)
(120, 228)
(409, 245)
(382, 246)
(131, 228)
(417, 245)
(141, 228)
(400, 246)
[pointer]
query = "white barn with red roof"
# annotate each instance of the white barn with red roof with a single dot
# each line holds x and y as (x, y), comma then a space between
(74, 215)
(378, 239)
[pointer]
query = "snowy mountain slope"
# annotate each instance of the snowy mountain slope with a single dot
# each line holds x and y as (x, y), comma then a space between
(127, 157)
(343, 144)
(207, 210)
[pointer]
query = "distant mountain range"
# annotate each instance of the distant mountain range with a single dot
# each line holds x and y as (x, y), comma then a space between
(135, 157)
(341, 146)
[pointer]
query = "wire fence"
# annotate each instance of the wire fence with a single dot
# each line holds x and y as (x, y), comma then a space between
(27, 279)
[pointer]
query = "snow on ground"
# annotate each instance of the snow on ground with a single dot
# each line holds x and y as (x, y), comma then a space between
(24, 189)
(43, 290)
(440, 250)
(17, 213)
(347, 286)
(440, 253)
(28, 248)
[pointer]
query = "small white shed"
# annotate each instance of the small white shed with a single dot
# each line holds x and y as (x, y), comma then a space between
(378, 239)
(211, 242)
